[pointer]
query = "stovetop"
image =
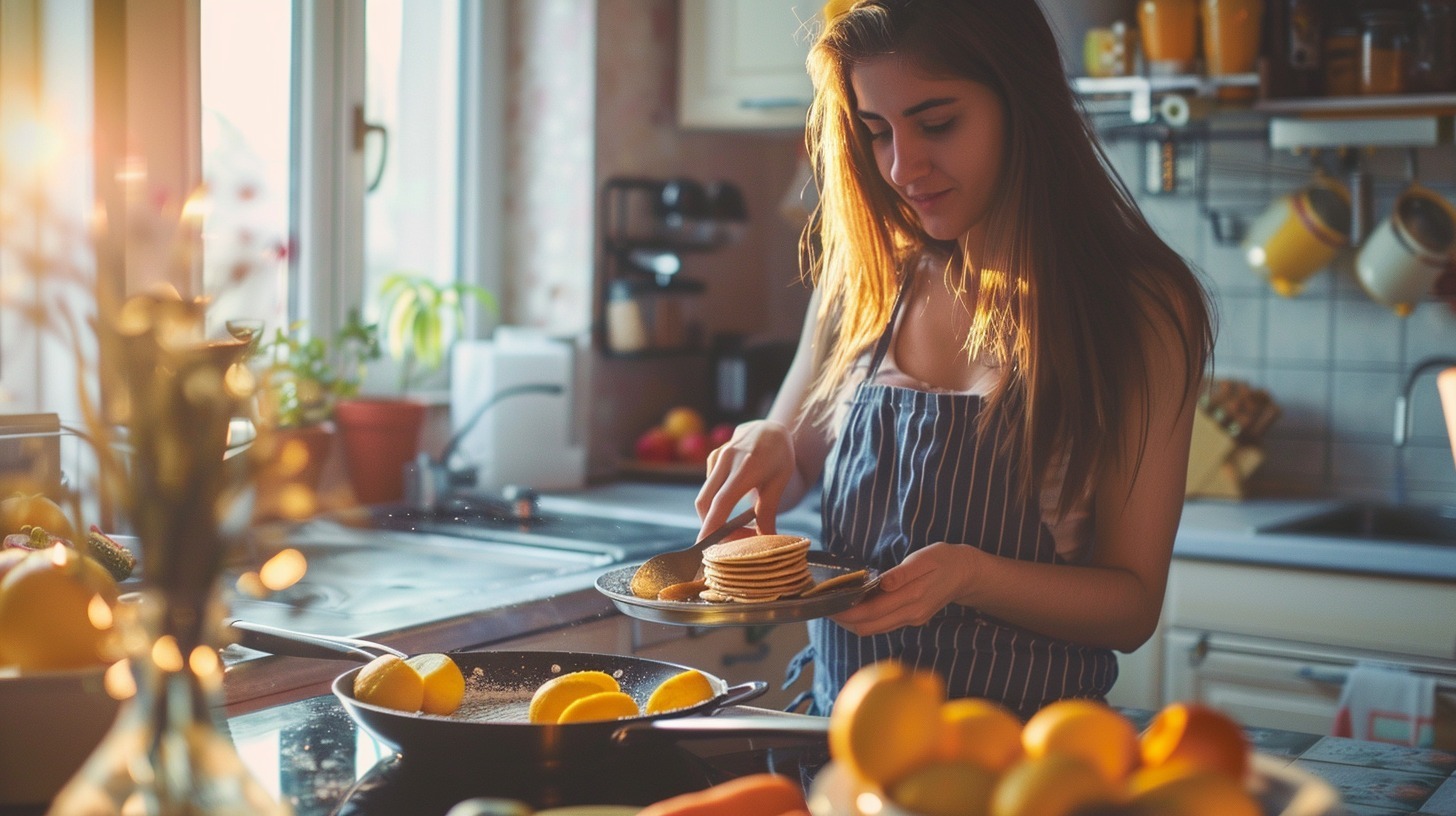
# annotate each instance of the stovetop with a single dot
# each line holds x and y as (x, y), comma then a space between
(313, 755)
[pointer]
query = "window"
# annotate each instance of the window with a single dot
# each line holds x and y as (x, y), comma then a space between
(344, 141)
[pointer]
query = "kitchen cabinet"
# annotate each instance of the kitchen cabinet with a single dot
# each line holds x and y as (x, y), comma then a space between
(1271, 645)
(741, 64)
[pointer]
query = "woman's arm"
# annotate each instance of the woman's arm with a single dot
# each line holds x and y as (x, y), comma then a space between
(777, 458)
(1114, 600)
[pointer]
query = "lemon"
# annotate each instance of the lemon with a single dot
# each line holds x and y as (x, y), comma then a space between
(1089, 730)
(886, 721)
(1051, 785)
(556, 694)
(45, 611)
(444, 685)
(680, 691)
(946, 789)
(979, 732)
(604, 705)
(388, 681)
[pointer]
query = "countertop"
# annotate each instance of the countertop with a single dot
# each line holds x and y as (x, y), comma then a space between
(1210, 530)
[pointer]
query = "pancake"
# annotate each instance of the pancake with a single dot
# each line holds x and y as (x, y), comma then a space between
(841, 581)
(756, 569)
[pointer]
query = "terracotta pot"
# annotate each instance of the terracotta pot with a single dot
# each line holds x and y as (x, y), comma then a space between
(380, 437)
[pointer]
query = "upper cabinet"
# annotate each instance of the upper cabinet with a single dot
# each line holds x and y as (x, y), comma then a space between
(741, 64)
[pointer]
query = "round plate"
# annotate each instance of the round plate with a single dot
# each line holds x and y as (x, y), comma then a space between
(617, 585)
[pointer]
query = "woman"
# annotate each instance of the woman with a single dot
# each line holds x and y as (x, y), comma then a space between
(998, 372)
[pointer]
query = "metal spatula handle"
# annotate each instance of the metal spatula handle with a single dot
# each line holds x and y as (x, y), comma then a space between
(682, 565)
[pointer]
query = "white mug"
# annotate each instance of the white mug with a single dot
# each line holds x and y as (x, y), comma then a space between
(1404, 256)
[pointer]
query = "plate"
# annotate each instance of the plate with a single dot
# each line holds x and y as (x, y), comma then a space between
(617, 585)
(1281, 789)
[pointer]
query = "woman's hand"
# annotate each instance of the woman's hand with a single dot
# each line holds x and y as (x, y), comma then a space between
(912, 591)
(758, 459)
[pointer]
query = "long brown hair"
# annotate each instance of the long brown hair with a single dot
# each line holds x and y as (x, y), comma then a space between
(1071, 280)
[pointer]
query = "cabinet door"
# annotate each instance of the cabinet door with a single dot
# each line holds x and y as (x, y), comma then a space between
(1260, 683)
(736, 654)
(741, 63)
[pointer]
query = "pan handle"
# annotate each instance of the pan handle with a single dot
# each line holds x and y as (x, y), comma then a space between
(741, 693)
(289, 643)
(796, 726)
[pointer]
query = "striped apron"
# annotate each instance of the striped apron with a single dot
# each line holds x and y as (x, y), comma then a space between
(909, 469)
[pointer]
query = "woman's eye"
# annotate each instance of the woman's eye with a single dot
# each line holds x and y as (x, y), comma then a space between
(879, 136)
(938, 127)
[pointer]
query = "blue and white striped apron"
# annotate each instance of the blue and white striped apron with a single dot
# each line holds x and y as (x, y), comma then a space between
(909, 469)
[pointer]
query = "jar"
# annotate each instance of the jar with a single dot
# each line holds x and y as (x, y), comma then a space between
(1384, 52)
(644, 315)
(1169, 34)
(1433, 48)
(1342, 61)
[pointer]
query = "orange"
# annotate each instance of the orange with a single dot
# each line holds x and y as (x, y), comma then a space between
(946, 789)
(886, 721)
(679, 691)
(1051, 785)
(554, 695)
(681, 421)
(1089, 730)
(1198, 736)
(36, 510)
(604, 705)
(979, 732)
(389, 682)
(444, 685)
(45, 611)
(1199, 793)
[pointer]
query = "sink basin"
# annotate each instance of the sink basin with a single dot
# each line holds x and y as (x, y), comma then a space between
(1423, 524)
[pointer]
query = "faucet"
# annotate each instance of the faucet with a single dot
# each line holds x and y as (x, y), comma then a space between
(426, 479)
(1403, 420)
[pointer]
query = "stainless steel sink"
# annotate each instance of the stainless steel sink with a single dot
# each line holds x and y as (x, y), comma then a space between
(1422, 524)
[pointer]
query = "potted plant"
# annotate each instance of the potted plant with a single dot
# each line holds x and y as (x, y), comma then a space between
(381, 435)
(301, 379)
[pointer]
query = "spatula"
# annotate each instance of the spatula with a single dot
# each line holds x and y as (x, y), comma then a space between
(678, 566)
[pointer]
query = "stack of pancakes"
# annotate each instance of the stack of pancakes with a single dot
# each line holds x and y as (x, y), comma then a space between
(756, 569)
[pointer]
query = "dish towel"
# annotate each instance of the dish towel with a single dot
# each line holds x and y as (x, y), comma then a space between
(1386, 703)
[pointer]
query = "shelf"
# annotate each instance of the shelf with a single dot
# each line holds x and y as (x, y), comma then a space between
(1141, 89)
(1362, 106)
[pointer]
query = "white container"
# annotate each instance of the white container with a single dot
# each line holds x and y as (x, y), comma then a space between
(531, 439)
(1404, 256)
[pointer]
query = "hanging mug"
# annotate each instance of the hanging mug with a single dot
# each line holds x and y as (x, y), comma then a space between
(1299, 235)
(1407, 252)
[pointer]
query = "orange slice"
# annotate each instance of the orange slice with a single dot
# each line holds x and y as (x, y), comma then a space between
(680, 691)
(604, 705)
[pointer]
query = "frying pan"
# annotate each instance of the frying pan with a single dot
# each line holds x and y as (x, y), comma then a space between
(492, 722)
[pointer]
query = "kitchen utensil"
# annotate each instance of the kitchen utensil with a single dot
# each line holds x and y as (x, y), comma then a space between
(676, 567)
(615, 584)
(1407, 252)
(1299, 234)
(492, 722)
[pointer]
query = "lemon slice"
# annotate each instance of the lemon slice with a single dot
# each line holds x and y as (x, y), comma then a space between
(682, 690)
(444, 685)
(390, 682)
(604, 705)
(554, 695)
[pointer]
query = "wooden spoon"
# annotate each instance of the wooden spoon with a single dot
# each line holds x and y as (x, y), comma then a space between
(678, 566)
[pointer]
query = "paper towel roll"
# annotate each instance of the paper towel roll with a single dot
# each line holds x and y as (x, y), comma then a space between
(1175, 110)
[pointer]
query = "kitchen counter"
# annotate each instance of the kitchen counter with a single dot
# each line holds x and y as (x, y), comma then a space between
(311, 753)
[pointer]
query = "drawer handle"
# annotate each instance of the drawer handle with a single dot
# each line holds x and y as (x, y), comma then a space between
(1328, 678)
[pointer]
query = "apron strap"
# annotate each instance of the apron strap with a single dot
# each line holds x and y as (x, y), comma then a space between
(882, 346)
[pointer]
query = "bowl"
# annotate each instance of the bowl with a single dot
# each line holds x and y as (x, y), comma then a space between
(52, 722)
(1281, 790)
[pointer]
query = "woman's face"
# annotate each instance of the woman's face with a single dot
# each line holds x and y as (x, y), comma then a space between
(937, 141)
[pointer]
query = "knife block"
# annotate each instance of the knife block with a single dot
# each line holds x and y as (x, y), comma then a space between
(1218, 464)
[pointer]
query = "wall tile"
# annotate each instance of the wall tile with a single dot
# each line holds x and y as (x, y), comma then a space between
(1430, 467)
(1296, 466)
(1241, 325)
(1304, 401)
(1298, 329)
(1366, 467)
(1430, 331)
(1362, 405)
(1366, 332)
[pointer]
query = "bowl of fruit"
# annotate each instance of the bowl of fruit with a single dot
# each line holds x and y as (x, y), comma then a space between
(677, 446)
(899, 748)
(57, 640)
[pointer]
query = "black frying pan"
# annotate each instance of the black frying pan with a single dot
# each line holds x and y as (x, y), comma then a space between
(499, 685)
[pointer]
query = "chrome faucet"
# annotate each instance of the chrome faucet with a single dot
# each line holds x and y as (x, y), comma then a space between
(1403, 420)
(428, 480)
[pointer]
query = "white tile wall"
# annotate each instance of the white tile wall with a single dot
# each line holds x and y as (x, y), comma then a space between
(1331, 357)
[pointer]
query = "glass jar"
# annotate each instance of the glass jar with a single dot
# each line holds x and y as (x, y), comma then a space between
(1342, 61)
(1384, 52)
(1433, 48)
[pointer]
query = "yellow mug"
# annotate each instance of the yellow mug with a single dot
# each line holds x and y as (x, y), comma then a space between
(1299, 235)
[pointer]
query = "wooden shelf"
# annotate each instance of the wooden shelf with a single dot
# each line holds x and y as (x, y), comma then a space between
(1362, 106)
